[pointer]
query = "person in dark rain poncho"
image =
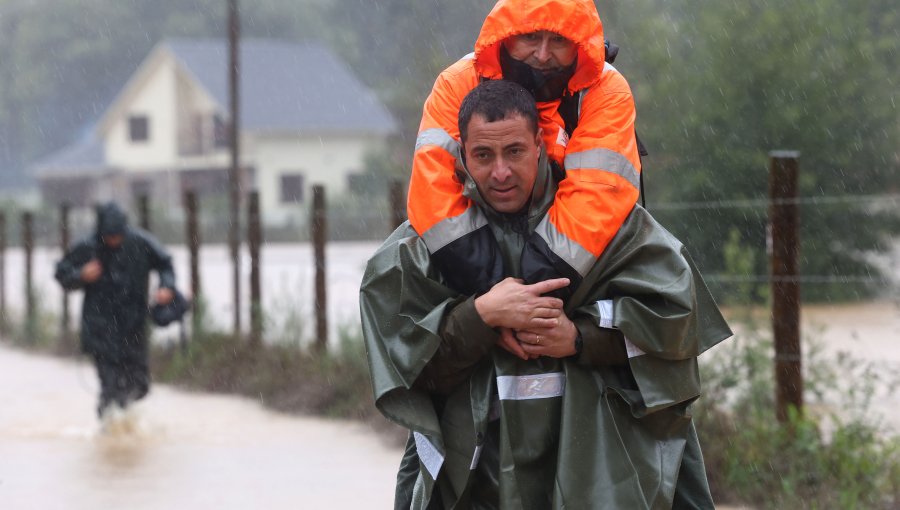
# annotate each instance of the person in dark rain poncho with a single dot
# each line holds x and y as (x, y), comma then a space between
(515, 399)
(112, 266)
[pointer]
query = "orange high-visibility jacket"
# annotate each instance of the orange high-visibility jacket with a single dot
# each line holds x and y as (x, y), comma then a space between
(600, 160)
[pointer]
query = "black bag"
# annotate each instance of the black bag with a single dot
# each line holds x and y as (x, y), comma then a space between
(163, 315)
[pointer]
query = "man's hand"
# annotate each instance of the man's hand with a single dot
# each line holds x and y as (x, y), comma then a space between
(164, 296)
(91, 271)
(514, 305)
(555, 342)
(509, 343)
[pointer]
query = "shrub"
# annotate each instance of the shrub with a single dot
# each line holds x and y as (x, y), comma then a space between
(833, 455)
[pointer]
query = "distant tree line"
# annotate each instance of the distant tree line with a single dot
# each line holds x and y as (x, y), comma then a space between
(717, 84)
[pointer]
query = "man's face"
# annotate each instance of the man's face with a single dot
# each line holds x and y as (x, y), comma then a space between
(113, 240)
(502, 158)
(542, 50)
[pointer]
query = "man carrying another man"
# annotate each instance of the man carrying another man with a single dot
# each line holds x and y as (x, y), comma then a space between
(515, 399)
(555, 50)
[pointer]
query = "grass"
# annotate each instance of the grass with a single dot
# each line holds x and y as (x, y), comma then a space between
(40, 332)
(285, 376)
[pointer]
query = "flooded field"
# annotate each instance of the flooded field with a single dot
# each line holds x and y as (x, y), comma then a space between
(174, 451)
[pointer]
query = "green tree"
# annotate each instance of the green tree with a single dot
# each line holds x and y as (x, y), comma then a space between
(719, 84)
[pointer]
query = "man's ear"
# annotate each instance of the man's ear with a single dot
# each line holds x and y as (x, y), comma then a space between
(539, 136)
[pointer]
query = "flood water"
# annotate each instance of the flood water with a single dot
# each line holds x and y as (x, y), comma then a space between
(176, 450)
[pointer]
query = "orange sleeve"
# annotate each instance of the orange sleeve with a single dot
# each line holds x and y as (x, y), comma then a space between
(434, 191)
(602, 167)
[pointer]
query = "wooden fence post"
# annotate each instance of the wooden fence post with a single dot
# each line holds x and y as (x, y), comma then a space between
(193, 241)
(398, 204)
(318, 237)
(3, 317)
(784, 220)
(254, 242)
(65, 331)
(28, 251)
(144, 212)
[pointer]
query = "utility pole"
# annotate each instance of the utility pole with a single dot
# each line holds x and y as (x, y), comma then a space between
(784, 221)
(234, 174)
(11, 138)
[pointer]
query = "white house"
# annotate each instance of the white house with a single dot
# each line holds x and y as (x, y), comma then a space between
(305, 119)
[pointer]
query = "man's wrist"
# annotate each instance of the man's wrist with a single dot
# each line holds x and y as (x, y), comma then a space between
(483, 310)
(579, 343)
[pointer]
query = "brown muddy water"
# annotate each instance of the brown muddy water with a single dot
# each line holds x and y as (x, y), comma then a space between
(175, 450)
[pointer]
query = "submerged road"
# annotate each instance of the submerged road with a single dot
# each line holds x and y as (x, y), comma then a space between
(177, 450)
(198, 451)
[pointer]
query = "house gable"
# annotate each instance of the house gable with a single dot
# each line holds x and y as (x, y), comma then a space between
(158, 117)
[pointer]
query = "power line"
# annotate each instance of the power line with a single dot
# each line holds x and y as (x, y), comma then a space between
(765, 202)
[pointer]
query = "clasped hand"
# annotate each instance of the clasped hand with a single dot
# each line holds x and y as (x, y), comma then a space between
(531, 324)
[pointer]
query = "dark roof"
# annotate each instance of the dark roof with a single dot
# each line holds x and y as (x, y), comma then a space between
(85, 154)
(286, 86)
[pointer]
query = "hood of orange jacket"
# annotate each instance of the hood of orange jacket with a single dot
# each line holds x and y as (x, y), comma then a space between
(576, 20)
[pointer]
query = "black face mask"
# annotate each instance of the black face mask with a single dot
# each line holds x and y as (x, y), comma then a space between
(543, 86)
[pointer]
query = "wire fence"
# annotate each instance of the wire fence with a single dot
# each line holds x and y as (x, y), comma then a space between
(829, 223)
(353, 220)
(764, 202)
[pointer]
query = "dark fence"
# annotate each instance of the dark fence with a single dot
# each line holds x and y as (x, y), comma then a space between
(200, 223)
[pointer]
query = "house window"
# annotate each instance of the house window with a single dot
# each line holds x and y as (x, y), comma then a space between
(139, 128)
(291, 188)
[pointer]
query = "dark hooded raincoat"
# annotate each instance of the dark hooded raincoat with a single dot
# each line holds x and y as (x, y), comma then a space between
(565, 433)
(113, 316)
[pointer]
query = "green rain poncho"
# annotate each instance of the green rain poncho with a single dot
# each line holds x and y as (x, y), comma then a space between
(569, 435)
